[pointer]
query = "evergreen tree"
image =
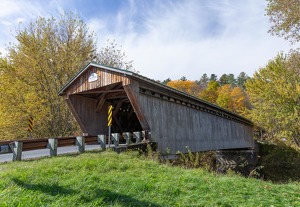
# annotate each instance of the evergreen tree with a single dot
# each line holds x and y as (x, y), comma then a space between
(223, 80)
(241, 79)
(213, 77)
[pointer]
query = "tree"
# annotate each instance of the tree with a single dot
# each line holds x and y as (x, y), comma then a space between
(213, 77)
(239, 100)
(48, 53)
(231, 79)
(274, 93)
(113, 56)
(203, 81)
(241, 79)
(186, 86)
(16, 101)
(285, 17)
(210, 94)
(166, 81)
(223, 80)
(183, 78)
(224, 99)
(231, 98)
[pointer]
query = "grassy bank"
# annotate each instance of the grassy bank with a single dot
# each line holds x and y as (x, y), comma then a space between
(109, 179)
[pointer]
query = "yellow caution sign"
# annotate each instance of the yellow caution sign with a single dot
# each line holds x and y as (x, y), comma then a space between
(30, 124)
(109, 118)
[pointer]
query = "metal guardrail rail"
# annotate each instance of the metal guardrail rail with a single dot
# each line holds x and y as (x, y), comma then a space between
(18, 146)
(35, 144)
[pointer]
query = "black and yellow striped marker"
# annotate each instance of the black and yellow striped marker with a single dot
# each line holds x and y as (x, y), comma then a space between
(30, 124)
(109, 118)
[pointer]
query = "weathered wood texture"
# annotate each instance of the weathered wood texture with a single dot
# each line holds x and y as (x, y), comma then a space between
(175, 119)
(94, 123)
(135, 104)
(174, 126)
(105, 78)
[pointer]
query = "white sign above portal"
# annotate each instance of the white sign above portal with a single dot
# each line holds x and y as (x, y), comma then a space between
(93, 77)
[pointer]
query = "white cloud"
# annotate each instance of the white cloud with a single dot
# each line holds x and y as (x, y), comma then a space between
(8, 8)
(169, 38)
(21, 11)
(188, 38)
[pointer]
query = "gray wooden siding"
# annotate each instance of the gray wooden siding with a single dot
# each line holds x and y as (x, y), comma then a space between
(175, 126)
(94, 123)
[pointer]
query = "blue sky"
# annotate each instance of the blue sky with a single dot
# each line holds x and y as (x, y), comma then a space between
(166, 38)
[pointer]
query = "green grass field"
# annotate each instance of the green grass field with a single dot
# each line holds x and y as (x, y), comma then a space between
(110, 179)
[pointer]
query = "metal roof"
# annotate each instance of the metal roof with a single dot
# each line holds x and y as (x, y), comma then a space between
(150, 81)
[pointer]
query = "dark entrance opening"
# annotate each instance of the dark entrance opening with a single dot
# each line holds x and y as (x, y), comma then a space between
(124, 117)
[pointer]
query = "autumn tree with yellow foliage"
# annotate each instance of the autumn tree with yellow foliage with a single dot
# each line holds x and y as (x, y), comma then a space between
(186, 86)
(274, 93)
(48, 53)
(232, 98)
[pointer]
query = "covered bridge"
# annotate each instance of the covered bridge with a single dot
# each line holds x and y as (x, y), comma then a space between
(175, 119)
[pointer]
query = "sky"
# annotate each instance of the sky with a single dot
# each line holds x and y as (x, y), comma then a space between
(166, 38)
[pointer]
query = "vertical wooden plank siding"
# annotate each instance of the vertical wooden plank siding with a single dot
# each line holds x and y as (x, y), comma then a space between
(94, 123)
(75, 114)
(175, 126)
(105, 77)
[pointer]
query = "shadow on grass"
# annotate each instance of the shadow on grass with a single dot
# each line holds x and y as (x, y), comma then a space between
(98, 195)
(108, 198)
(52, 190)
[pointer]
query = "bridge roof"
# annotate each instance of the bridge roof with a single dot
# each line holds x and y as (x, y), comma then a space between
(141, 78)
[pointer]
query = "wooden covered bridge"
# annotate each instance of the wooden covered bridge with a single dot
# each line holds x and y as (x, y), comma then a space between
(175, 119)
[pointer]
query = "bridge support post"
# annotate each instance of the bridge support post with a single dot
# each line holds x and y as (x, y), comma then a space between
(127, 136)
(115, 137)
(53, 146)
(144, 135)
(80, 142)
(102, 141)
(137, 136)
(16, 148)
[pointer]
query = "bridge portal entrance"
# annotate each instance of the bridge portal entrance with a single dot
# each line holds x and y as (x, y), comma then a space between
(90, 109)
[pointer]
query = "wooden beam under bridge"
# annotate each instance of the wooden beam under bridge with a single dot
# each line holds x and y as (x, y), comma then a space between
(135, 104)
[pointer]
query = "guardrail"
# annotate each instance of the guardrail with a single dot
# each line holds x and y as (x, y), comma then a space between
(18, 146)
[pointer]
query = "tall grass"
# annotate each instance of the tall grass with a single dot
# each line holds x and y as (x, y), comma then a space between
(111, 179)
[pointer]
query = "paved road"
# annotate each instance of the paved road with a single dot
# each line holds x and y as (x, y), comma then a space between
(45, 152)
